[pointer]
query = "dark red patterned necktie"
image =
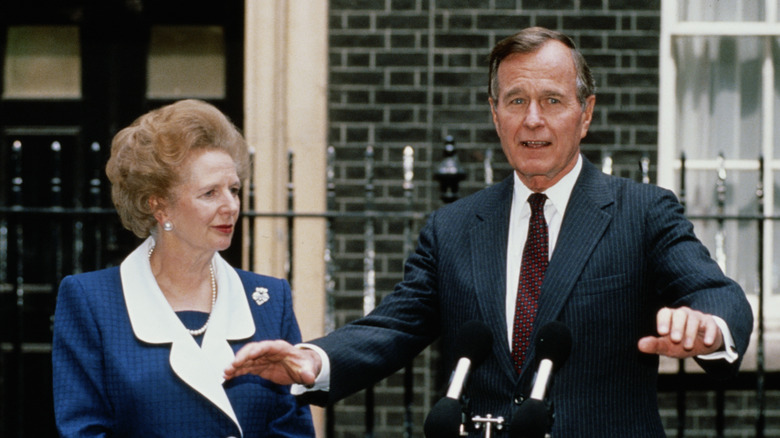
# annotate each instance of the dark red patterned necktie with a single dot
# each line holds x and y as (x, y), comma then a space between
(531, 275)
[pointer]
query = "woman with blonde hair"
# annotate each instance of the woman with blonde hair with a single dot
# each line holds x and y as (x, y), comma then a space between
(139, 349)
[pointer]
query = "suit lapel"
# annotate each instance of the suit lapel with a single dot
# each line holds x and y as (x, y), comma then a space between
(488, 244)
(584, 223)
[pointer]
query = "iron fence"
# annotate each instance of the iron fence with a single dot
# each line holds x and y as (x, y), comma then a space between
(62, 232)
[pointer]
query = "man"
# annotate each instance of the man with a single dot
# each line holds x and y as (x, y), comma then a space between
(619, 266)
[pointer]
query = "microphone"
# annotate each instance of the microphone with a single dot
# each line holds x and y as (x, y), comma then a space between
(553, 345)
(475, 344)
(444, 420)
(446, 416)
(530, 421)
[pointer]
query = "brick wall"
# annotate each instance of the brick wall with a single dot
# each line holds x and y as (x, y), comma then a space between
(410, 72)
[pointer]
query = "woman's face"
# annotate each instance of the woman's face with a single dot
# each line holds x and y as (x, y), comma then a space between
(205, 205)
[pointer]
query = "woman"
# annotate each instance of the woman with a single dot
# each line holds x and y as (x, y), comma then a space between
(139, 349)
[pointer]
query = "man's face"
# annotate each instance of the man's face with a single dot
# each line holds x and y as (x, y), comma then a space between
(537, 115)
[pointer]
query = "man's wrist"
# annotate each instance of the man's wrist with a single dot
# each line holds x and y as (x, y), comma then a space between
(728, 350)
(322, 379)
(315, 358)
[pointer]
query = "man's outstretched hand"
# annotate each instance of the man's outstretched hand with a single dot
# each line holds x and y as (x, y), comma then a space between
(277, 361)
(683, 332)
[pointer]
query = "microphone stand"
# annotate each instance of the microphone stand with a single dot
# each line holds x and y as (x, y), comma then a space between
(488, 421)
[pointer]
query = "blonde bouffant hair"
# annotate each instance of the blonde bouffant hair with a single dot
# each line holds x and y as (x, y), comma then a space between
(146, 157)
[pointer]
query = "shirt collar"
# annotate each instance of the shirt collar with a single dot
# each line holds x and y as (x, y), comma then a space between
(558, 195)
(154, 321)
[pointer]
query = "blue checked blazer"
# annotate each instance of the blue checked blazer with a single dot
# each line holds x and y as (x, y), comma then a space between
(109, 383)
(624, 251)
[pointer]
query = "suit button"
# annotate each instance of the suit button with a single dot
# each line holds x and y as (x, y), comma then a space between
(519, 400)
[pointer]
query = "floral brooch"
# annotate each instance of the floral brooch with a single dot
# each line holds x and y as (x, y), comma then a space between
(260, 295)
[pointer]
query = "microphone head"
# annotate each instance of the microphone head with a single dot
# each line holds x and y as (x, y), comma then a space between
(530, 420)
(554, 343)
(444, 420)
(475, 342)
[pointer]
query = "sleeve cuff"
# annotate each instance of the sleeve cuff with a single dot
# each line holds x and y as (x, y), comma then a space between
(729, 352)
(322, 381)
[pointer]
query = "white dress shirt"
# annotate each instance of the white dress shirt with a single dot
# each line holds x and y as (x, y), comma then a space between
(519, 217)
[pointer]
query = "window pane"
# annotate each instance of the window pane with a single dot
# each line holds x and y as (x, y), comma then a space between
(718, 10)
(702, 192)
(186, 61)
(776, 105)
(42, 62)
(719, 96)
(732, 243)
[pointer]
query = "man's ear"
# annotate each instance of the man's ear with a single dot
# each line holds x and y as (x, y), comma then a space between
(493, 112)
(587, 115)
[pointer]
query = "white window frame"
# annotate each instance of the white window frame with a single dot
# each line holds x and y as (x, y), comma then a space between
(669, 162)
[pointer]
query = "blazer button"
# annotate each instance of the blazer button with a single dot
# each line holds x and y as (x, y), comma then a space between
(519, 400)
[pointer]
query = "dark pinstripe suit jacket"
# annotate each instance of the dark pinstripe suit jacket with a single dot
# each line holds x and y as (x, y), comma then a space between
(624, 250)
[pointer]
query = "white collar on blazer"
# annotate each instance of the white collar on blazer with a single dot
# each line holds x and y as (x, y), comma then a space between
(154, 321)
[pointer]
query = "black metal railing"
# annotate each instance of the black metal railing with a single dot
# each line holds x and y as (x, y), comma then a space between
(721, 218)
(68, 232)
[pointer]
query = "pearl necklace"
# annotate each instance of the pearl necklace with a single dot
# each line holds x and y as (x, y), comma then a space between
(202, 330)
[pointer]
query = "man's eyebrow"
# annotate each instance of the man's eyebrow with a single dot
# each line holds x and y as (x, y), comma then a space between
(546, 93)
(513, 91)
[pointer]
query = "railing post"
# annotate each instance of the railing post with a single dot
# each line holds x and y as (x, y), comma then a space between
(760, 394)
(449, 173)
(606, 163)
(487, 163)
(290, 216)
(720, 235)
(56, 203)
(17, 201)
(720, 257)
(3, 251)
(369, 273)
(681, 408)
(250, 222)
(644, 168)
(683, 194)
(408, 185)
(330, 281)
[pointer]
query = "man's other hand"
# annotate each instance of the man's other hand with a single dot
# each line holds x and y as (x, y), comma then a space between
(683, 332)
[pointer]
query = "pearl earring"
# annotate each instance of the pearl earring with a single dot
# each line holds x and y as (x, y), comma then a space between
(167, 226)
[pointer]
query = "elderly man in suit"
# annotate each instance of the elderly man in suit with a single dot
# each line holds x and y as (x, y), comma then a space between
(613, 260)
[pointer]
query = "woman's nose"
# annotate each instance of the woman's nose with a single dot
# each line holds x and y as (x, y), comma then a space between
(231, 203)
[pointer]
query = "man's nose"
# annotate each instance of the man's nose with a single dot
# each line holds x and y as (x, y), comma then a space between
(533, 117)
